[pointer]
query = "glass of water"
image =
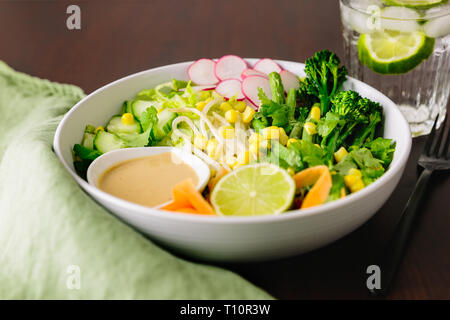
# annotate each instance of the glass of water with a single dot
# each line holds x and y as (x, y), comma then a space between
(402, 48)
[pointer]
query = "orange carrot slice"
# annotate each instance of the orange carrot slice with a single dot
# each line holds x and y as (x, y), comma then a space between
(342, 193)
(308, 176)
(195, 198)
(180, 200)
(320, 178)
(186, 210)
(187, 196)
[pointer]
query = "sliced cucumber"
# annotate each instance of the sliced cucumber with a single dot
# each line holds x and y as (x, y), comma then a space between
(105, 142)
(136, 140)
(139, 106)
(88, 140)
(115, 125)
(164, 125)
(89, 129)
(126, 107)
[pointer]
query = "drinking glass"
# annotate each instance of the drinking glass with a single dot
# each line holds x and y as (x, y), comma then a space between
(418, 77)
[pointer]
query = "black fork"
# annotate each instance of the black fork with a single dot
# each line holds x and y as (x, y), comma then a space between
(434, 157)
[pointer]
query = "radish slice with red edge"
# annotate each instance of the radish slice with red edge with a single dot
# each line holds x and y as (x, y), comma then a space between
(201, 72)
(267, 66)
(230, 88)
(230, 67)
(289, 80)
(251, 72)
(201, 88)
(250, 87)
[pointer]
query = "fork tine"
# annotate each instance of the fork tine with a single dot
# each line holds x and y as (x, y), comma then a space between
(429, 142)
(437, 145)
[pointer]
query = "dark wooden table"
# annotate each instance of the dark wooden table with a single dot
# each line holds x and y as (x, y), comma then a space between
(118, 38)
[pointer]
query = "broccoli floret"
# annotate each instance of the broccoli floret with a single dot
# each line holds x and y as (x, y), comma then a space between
(357, 110)
(304, 99)
(347, 105)
(324, 77)
(352, 121)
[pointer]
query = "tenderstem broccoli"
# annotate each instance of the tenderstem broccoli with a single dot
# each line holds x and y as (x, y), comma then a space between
(324, 77)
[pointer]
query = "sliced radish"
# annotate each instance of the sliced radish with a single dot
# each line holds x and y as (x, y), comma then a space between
(201, 88)
(230, 67)
(289, 80)
(251, 72)
(267, 66)
(230, 88)
(202, 72)
(250, 87)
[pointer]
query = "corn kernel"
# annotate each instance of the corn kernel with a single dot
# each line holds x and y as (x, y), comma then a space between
(291, 141)
(291, 171)
(340, 154)
(248, 114)
(231, 161)
(283, 136)
(205, 94)
(212, 148)
(225, 106)
(127, 118)
(310, 128)
(231, 116)
(354, 183)
(200, 105)
(271, 133)
(355, 172)
(227, 132)
(99, 128)
(243, 158)
(200, 141)
(240, 106)
(208, 100)
(315, 113)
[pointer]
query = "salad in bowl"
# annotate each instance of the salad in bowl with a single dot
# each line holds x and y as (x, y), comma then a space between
(274, 141)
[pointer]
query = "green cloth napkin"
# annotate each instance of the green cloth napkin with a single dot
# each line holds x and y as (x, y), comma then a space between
(54, 237)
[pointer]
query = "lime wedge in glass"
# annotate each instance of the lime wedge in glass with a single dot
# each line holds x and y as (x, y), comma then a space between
(394, 52)
(417, 4)
(258, 189)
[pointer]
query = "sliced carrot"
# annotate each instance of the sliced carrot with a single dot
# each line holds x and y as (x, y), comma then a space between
(195, 198)
(342, 193)
(175, 205)
(180, 200)
(186, 210)
(308, 176)
(320, 178)
(185, 195)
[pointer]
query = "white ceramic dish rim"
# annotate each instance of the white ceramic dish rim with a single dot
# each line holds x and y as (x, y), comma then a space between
(397, 164)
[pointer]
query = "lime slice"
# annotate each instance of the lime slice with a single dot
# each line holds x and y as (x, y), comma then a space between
(417, 4)
(394, 52)
(253, 190)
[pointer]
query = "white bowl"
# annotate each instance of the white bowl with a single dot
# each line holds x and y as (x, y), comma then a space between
(234, 238)
(107, 160)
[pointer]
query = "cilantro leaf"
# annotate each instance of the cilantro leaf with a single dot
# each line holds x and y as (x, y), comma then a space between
(382, 149)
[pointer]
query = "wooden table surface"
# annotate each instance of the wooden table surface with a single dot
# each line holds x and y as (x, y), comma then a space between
(118, 38)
